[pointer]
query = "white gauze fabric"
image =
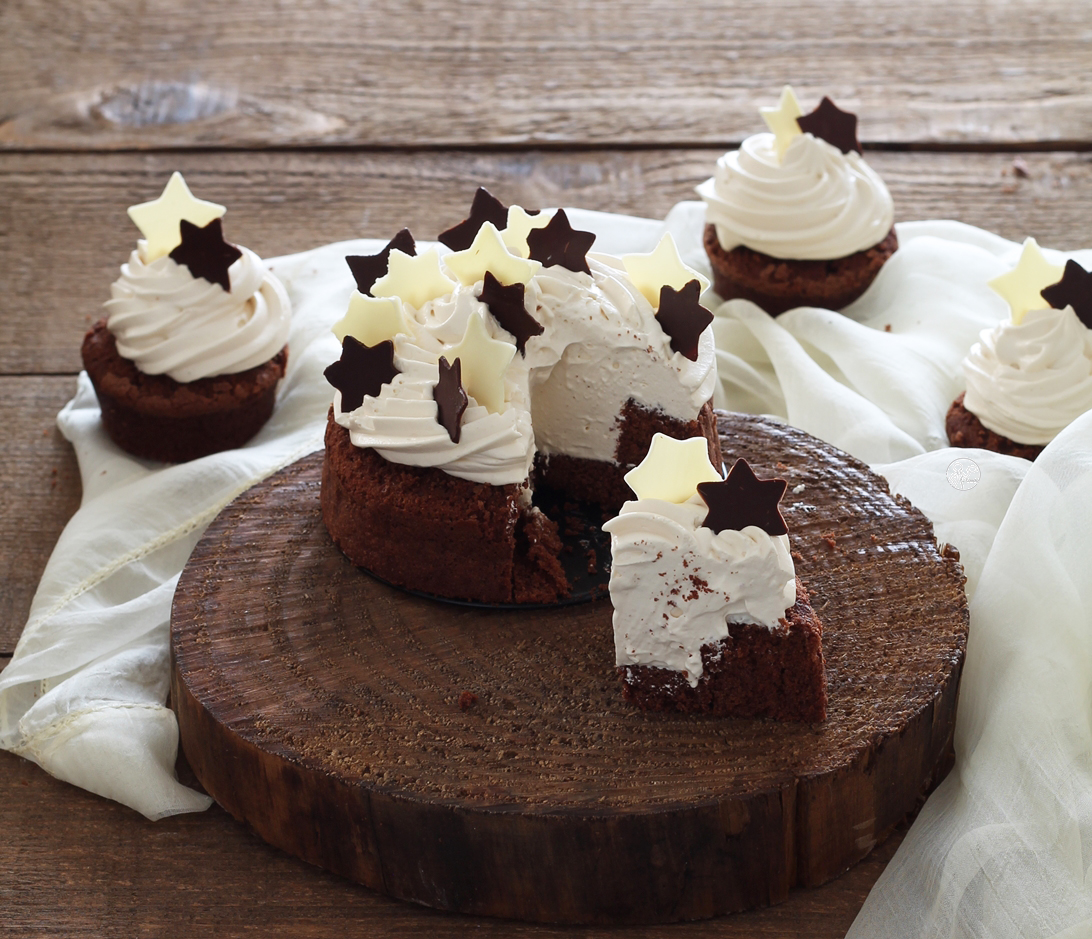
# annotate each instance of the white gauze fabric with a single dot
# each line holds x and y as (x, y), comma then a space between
(1002, 848)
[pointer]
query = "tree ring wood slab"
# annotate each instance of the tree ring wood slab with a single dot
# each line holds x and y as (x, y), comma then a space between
(329, 712)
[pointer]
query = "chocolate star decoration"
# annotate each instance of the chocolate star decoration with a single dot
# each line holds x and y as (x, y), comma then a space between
(743, 499)
(362, 370)
(506, 305)
(1075, 290)
(683, 318)
(828, 122)
(451, 399)
(368, 268)
(485, 208)
(205, 253)
(558, 243)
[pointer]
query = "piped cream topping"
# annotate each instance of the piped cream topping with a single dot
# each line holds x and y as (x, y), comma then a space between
(815, 204)
(169, 322)
(1029, 380)
(601, 346)
(676, 585)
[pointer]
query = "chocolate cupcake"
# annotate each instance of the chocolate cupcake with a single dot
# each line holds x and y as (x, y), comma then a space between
(796, 217)
(1030, 376)
(188, 359)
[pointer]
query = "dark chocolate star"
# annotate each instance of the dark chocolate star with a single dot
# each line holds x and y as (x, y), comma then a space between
(558, 243)
(743, 499)
(451, 399)
(368, 268)
(485, 208)
(1075, 290)
(828, 122)
(205, 253)
(361, 370)
(506, 305)
(683, 318)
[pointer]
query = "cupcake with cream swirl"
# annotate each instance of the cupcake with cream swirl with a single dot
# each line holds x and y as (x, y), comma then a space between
(796, 217)
(1030, 376)
(188, 359)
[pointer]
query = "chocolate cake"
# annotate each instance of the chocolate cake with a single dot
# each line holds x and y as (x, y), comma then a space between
(517, 363)
(450, 537)
(188, 359)
(966, 430)
(796, 217)
(777, 285)
(158, 418)
(709, 614)
(1029, 376)
(756, 672)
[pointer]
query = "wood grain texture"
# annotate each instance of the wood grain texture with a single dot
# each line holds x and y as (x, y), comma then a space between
(41, 484)
(64, 231)
(108, 873)
(324, 709)
(107, 74)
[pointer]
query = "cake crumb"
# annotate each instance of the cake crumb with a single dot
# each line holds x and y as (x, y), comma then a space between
(887, 327)
(467, 700)
(829, 539)
(1020, 168)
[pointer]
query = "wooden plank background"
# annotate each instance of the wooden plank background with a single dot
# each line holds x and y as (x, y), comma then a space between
(321, 120)
(102, 74)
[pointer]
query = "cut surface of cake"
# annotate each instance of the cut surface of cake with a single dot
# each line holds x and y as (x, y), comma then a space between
(796, 217)
(515, 360)
(709, 615)
(188, 359)
(1029, 376)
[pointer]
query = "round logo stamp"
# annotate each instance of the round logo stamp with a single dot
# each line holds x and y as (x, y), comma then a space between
(963, 473)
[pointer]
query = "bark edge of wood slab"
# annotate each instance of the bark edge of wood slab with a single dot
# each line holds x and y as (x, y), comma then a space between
(486, 763)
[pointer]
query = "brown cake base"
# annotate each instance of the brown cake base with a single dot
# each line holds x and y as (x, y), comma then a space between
(778, 285)
(966, 430)
(158, 418)
(755, 672)
(604, 483)
(424, 530)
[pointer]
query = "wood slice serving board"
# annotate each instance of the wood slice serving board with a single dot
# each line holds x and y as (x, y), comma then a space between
(329, 712)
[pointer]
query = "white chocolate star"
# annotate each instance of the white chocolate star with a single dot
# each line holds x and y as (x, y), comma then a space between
(488, 253)
(519, 227)
(650, 272)
(782, 120)
(159, 219)
(1021, 286)
(372, 320)
(672, 469)
(414, 280)
(484, 361)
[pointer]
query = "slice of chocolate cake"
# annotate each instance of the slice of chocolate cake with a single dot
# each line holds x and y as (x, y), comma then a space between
(708, 612)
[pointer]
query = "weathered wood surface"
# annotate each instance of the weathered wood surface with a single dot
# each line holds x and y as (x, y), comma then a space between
(78, 865)
(40, 483)
(108, 74)
(324, 709)
(605, 88)
(64, 231)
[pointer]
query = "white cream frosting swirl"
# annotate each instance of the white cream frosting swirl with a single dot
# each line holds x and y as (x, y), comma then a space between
(1029, 381)
(816, 204)
(169, 322)
(601, 345)
(676, 585)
